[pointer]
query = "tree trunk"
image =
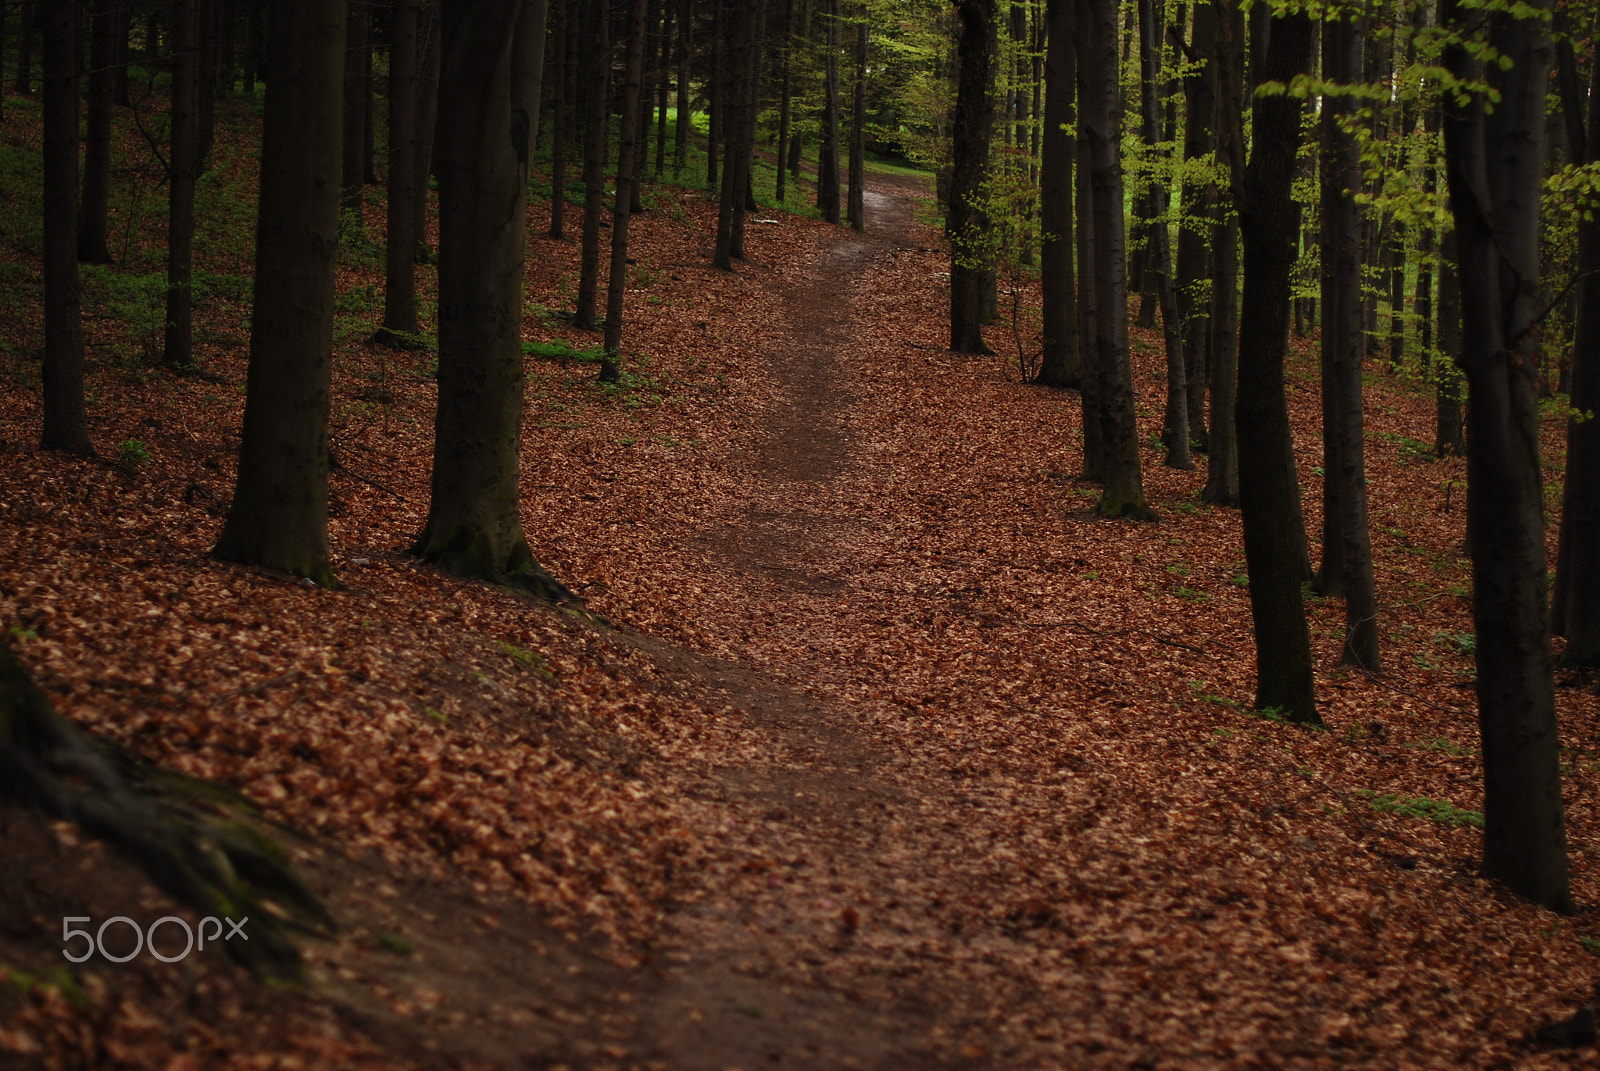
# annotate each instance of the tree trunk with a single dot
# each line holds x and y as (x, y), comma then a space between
(427, 116)
(716, 91)
(1494, 164)
(560, 121)
(400, 288)
(527, 68)
(253, 44)
(279, 514)
(205, 97)
(1270, 223)
(1061, 364)
(474, 525)
(1175, 424)
(354, 166)
(611, 362)
(1577, 595)
(1222, 460)
(65, 421)
(858, 132)
(747, 133)
(828, 158)
(1094, 451)
(369, 126)
(594, 162)
(641, 150)
(97, 143)
(29, 15)
(1449, 428)
(680, 132)
(184, 162)
(1198, 218)
(785, 101)
(1346, 545)
(972, 128)
(1100, 127)
(663, 69)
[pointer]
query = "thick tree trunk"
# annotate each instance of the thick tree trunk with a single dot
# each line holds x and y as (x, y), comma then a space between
(279, 514)
(1100, 126)
(611, 362)
(65, 421)
(183, 166)
(400, 287)
(1577, 595)
(97, 142)
(1269, 491)
(560, 121)
(828, 158)
(973, 127)
(1061, 364)
(1495, 163)
(474, 525)
(353, 170)
(1197, 218)
(1222, 460)
(527, 67)
(594, 163)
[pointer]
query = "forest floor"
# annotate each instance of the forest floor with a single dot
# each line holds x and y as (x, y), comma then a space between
(892, 755)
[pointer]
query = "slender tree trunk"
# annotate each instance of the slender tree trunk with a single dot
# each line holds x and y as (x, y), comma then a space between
(355, 139)
(1061, 364)
(1577, 593)
(400, 288)
(785, 100)
(560, 121)
(1198, 218)
(858, 131)
(974, 125)
(66, 424)
(427, 116)
(1101, 128)
(1175, 425)
(680, 133)
(641, 149)
(611, 362)
(663, 82)
(828, 159)
(1494, 163)
(97, 144)
(594, 162)
(474, 525)
(1270, 224)
(1222, 460)
(184, 162)
(205, 97)
(717, 91)
(1450, 438)
(279, 514)
(747, 135)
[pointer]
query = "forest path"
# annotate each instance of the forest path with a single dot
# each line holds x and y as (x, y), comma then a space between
(754, 972)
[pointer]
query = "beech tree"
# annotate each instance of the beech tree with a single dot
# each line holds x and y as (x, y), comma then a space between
(857, 213)
(474, 525)
(1197, 214)
(611, 362)
(400, 253)
(92, 210)
(1494, 162)
(594, 162)
(183, 168)
(65, 420)
(1060, 364)
(1269, 492)
(828, 157)
(279, 514)
(973, 127)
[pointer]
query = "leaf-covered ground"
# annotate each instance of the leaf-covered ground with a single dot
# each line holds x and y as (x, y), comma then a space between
(897, 756)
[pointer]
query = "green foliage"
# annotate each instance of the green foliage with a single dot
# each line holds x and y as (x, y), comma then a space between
(132, 455)
(1441, 811)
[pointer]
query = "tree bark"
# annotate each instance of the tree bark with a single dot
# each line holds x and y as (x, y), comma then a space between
(183, 166)
(594, 162)
(1101, 128)
(400, 288)
(611, 362)
(1061, 365)
(279, 514)
(1222, 459)
(858, 132)
(527, 66)
(785, 100)
(474, 525)
(1094, 451)
(66, 425)
(828, 158)
(1269, 224)
(560, 121)
(1494, 164)
(1577, 593)
(680, 132)
(353, 170)
(973, 127)
(97, 142)
(1198, 218)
